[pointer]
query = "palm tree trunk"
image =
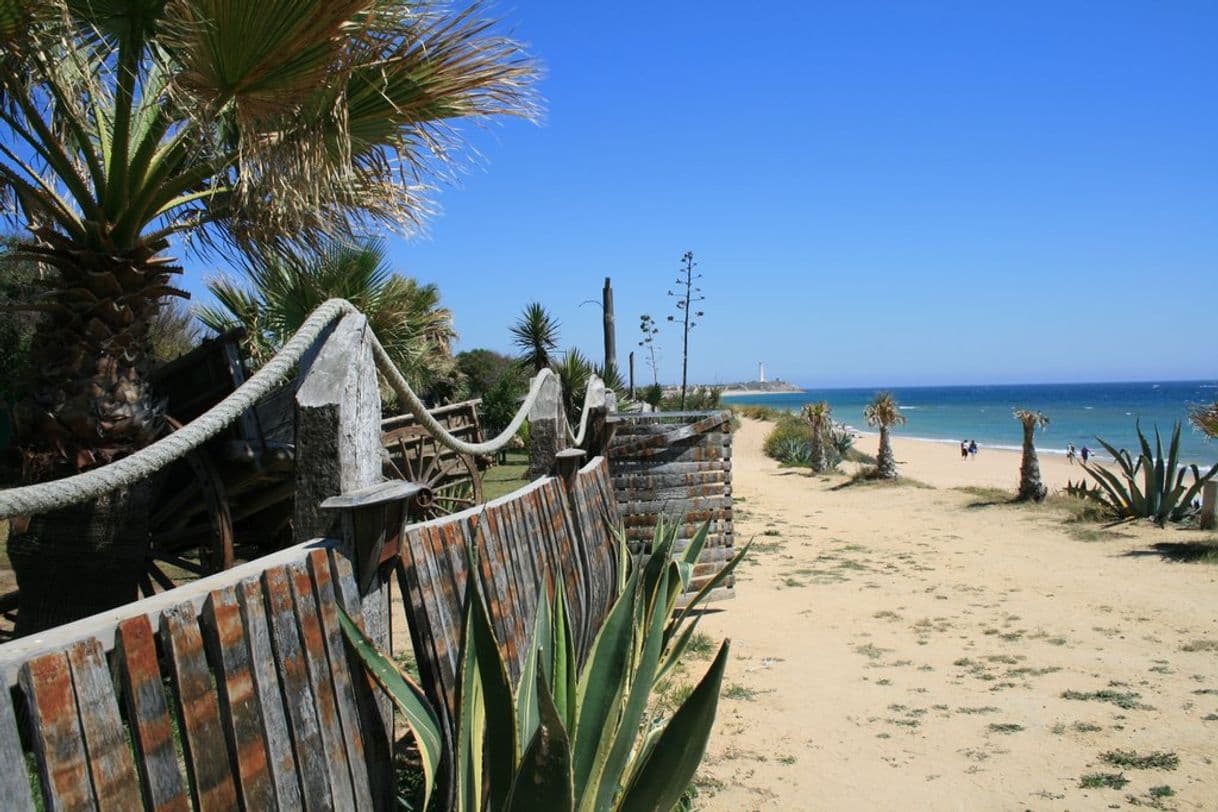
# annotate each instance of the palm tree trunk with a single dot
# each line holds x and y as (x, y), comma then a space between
(1030, 486)
(81, 560)
(885, 463)
(819, 461)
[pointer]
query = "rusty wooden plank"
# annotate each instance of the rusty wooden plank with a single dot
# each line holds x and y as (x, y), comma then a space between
(696, 517)
(499, 598)
(374, 706)
(240, 709)
(208, 761)
(625, 468)
(674, 494)
(281, 762)
(340, 677)
(593, 531)
(721, 529)
(148, 715)
(436, 603)
(415, 583)
(59, 746)
(14, 780)
(110, 764)
(311, 757)
(679, 453)
(322, 684)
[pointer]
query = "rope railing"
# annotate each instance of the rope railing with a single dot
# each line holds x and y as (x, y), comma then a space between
(60, 493)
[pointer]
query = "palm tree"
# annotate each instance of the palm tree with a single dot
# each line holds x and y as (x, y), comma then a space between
(818, 417)
(1205, 418)
(535, 334)
(882, 412)
(1030, 486)
(285, 288)
(127, 127)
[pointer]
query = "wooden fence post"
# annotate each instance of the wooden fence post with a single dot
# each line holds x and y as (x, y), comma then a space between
(1209, 505)
(338, 451)
(547, 428)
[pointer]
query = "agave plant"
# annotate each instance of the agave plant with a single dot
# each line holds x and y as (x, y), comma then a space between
(566, 737)
(1163, 495)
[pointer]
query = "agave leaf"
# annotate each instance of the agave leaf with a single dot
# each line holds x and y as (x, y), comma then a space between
(471, 719)
(406, 695)
(660, 779)
(1121, 456)
(694, 549)
(544, 780)
(715, 580)
(501, 748)
(607, 781)
(603, 680)
(563, 664)
(1199, 481)
(677, 649)
(536, 662)
(1117, 495)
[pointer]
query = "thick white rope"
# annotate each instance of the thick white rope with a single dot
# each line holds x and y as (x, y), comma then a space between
(60, 493)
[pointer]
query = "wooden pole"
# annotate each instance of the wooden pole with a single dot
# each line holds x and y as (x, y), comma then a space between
(632, 376)
(610, 332)
(1209, 505)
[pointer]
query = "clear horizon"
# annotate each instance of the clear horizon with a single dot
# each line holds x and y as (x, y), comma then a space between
(902, 191)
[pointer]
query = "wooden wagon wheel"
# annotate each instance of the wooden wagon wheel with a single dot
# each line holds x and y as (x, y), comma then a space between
(413, 455)
(190, 533)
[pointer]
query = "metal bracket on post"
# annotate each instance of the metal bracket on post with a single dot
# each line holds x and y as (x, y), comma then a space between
(372, 522)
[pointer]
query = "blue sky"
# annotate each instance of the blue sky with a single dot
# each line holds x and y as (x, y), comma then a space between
(877, 193)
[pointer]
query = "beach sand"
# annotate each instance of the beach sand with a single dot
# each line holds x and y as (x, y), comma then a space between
(906, 647)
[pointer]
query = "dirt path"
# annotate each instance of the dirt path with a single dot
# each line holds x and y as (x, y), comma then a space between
(922, 648)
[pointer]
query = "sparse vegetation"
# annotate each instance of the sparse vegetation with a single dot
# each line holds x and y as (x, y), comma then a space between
(1122, 699)
(1103, 781)
(1130, 760)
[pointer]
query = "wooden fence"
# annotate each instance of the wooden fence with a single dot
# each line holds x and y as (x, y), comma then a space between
(676, 467)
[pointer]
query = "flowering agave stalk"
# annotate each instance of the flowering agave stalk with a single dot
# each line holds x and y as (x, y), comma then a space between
(566, 737)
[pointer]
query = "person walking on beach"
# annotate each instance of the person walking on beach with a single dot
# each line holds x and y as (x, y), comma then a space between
(1085, 453)
(972, 448)
(1070, 453)
(964, 449)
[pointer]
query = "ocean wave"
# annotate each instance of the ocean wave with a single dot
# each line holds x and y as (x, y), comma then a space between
(907, 408)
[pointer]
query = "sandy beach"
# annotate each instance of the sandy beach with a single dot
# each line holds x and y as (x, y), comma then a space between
(920, 646)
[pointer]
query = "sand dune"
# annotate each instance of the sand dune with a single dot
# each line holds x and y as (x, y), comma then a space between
(916, 648)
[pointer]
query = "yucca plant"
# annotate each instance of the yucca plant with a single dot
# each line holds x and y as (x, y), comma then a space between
(1162, 495)
(819, 418)
(566, 737)
(884, 413)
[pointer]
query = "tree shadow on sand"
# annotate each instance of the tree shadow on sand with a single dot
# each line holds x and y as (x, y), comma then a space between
(1186, 552)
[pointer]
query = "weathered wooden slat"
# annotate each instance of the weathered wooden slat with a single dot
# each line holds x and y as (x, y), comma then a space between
(375, 708)
(653, 467)
(680, 508)
(278, 739)
(501, 552)
(208, 761)
(412, 577)
(721, 529)
(240, 709)
(148, 715)
(695, 517)
(14, 780)
(650, 482)
(671, 437)
(683, 492)
(311, 757)
(59, 747)
(115, 783)
(500, 597)
(714, 596)
(322, 684)
(344, 690)
(678, 453)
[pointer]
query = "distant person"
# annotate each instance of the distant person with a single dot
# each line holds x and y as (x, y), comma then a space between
(1070, 453)
(1085, 454)
(964, 449)
(972, 448)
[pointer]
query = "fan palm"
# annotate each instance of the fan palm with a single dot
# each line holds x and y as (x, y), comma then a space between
(819, 417)
(127, 125)
(1030, 486)
(285, 288)
(883, 413)
(535, 334)
(1205, 418)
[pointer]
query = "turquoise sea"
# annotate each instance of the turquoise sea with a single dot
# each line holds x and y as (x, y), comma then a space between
(1077, 412)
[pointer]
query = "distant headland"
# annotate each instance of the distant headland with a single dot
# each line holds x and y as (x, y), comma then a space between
(757, 388)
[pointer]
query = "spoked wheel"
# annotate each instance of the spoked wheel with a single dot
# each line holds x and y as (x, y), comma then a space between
(415, 456)
(190, 534)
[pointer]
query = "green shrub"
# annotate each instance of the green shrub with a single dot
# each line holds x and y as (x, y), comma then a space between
(790, 442)
(697, 399)
(758, 412)
(1152, 486)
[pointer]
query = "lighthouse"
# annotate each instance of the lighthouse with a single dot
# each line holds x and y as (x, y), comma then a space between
(761, 371)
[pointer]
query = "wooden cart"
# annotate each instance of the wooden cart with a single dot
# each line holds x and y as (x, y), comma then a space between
(232, 499)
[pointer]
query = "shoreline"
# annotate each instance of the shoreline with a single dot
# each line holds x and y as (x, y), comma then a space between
(752, 393)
